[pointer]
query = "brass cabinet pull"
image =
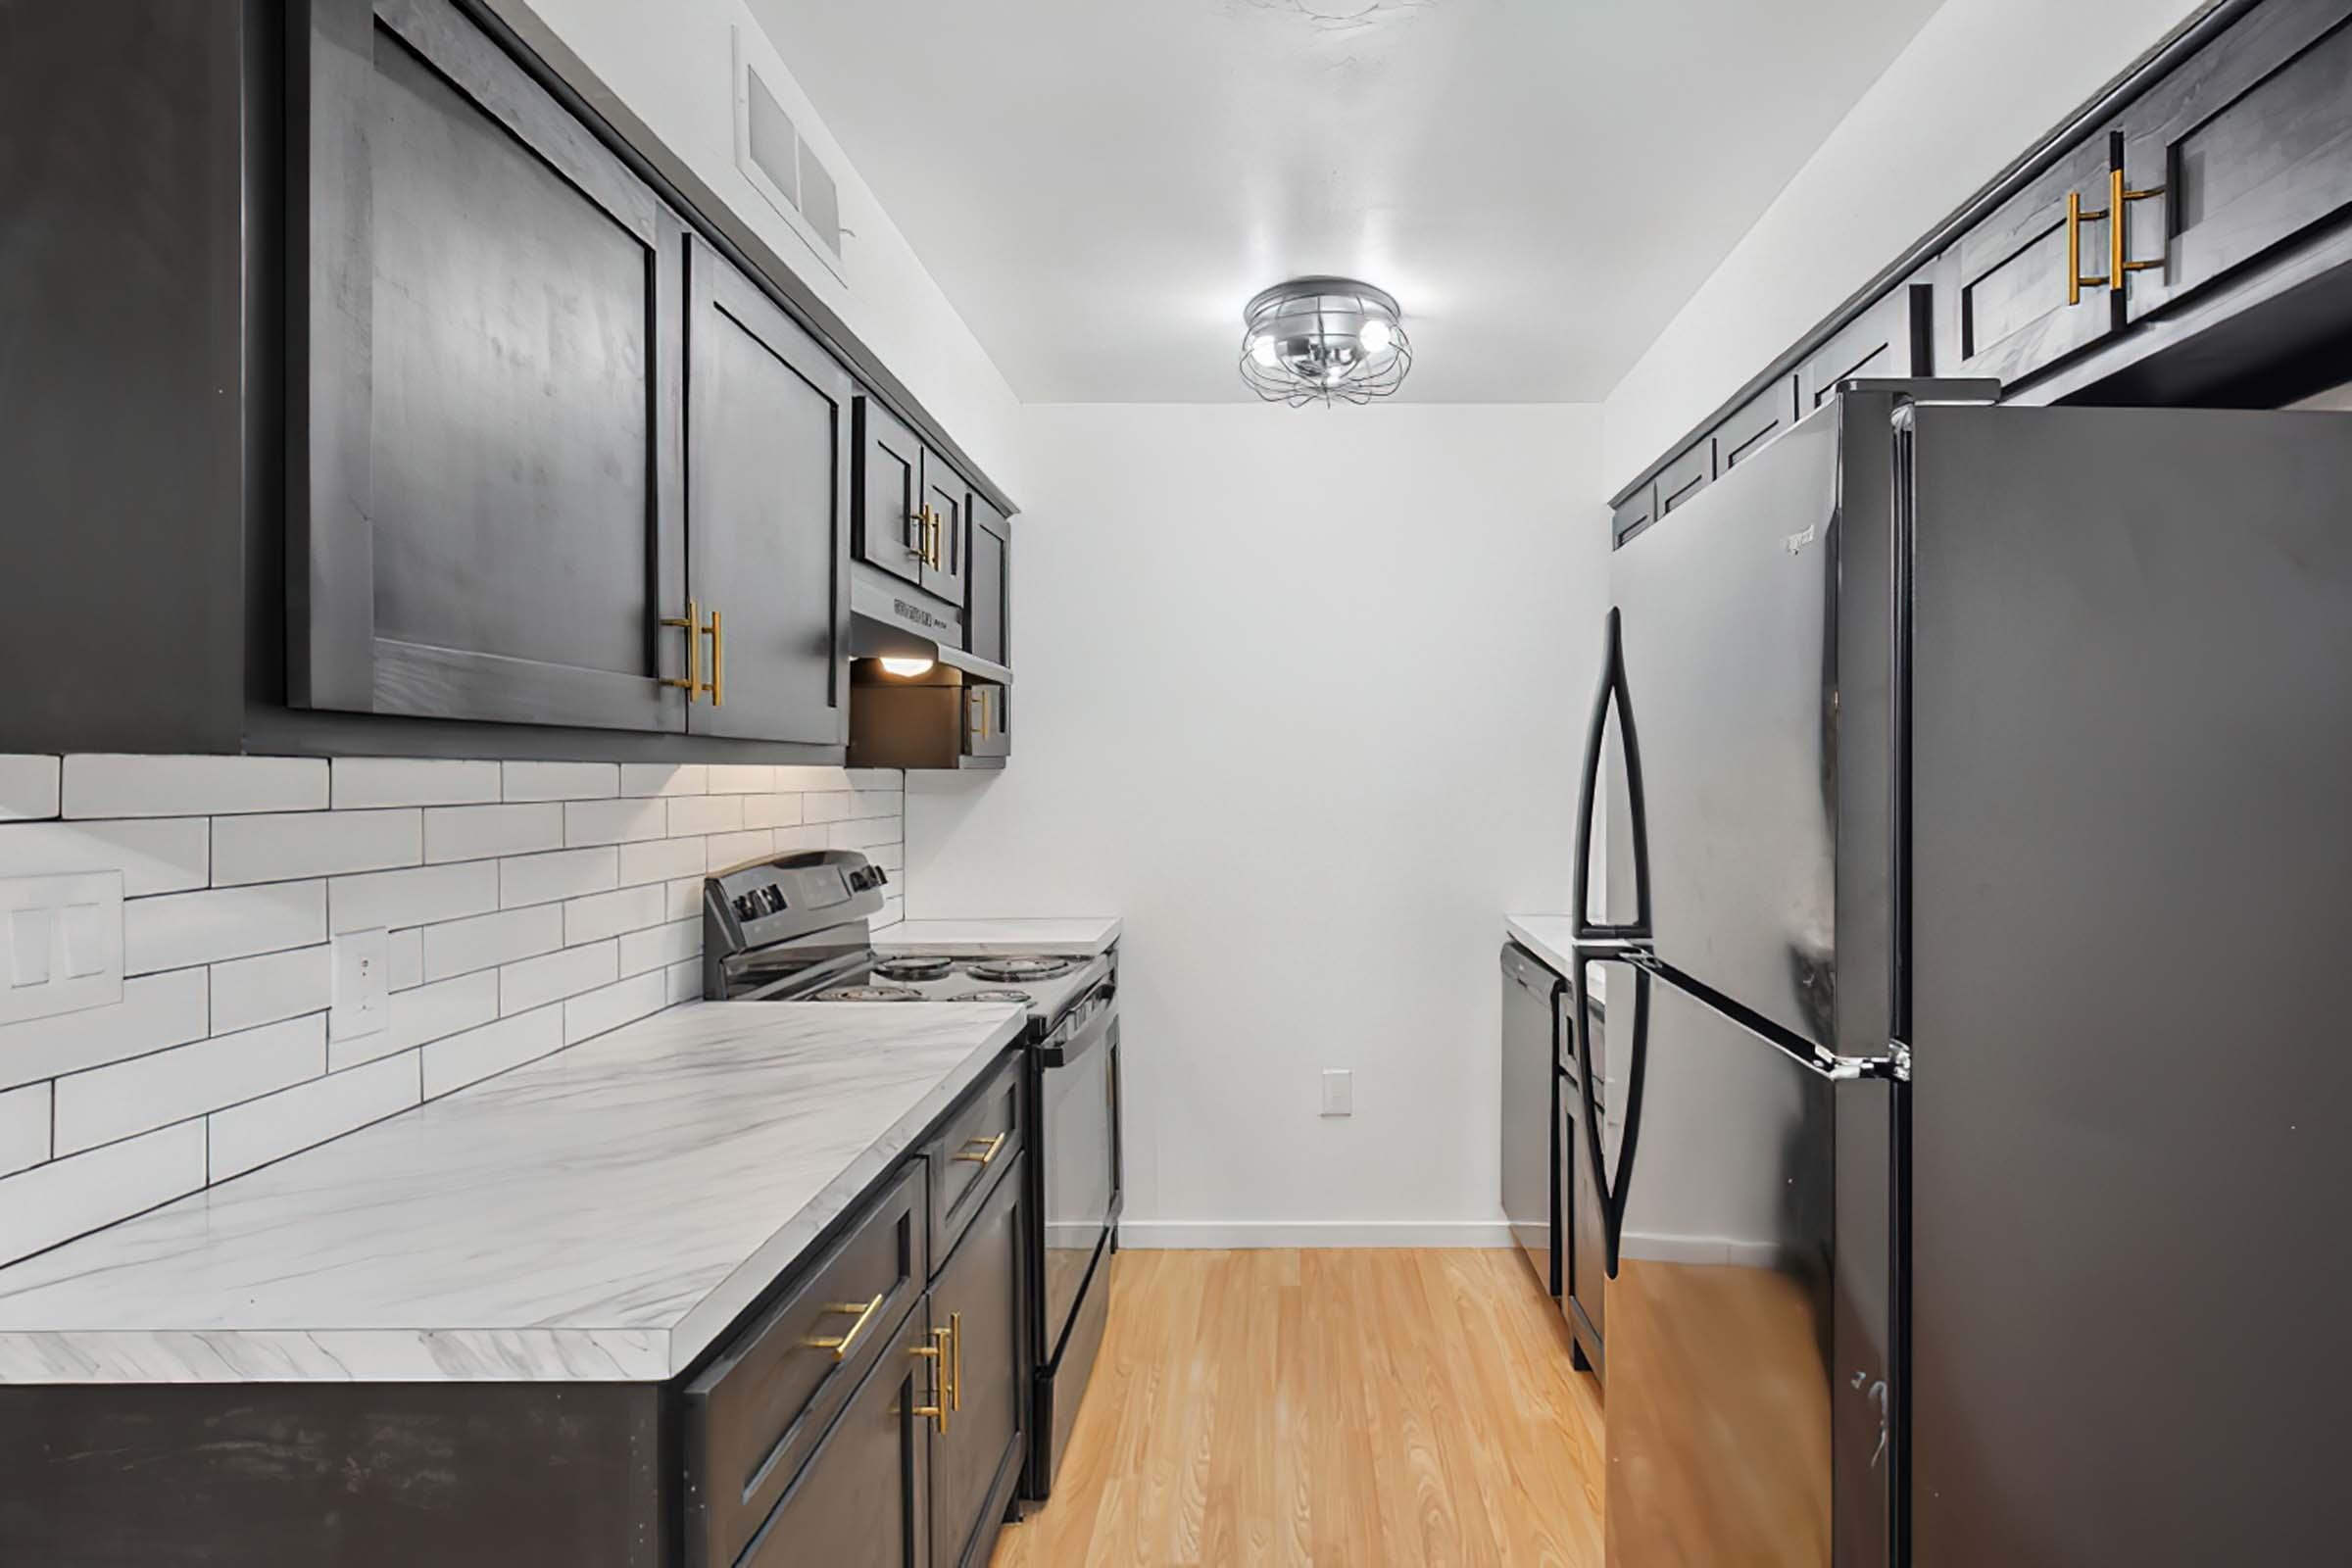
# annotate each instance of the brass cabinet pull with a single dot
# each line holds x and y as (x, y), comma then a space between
(921, 548)
(937, 1352)
(2077, 280)
(717, 688)
(2118, 200)
(840, 1347)
(955, 1359)
(693, 682)
(989, 1148)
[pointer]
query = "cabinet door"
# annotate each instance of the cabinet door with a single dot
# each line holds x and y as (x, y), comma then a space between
(892, 530)
(863, 1499)
(1756, 423)
(988, 584)
(2251, 141)
(1889, 339)
(1681, 481)
(486, 516)
(768, 456)
(984, 720)
(1633, 513)
(949, 499)
(2010, 310)
(974, 1463)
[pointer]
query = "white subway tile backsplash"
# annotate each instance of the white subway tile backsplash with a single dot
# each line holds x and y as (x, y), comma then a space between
(476, 1054)
(565, 894)
(660, 947)
(562, 874)
(607, 914)
(24, 1128)
(27, 786)
(274, 1126)
(561, 781)
(179, 929)
(155, 855)
(363, 781)
(107, 1103)
(278, 847)
(660, 860)
(691, 814)
(250, 992)
(608, 1007)
(480, 832)
(460, 947)
(384, 901)
(67, 1198)
(422, 1016)
(109, 785)
(664, 778)
(156, 1010)
(587, 822)
(536, 982)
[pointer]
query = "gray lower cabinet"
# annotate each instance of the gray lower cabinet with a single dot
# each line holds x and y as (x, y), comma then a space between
(768, 458)
(977, 1453)
(485, 513)
(2244, 148)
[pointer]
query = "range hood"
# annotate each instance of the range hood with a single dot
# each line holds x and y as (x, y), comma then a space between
(887, 621)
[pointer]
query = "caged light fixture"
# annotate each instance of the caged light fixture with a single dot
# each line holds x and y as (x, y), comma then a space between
(1317, 339)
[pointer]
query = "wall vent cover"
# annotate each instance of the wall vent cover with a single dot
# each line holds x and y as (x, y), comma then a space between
(783, 166)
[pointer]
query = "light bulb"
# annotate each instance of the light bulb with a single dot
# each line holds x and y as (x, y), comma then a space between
(1375, 336)
(1261, 349)
(907, 666)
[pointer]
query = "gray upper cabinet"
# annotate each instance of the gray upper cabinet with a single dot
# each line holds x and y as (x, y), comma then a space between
(1681, 480)
(767, 463)
(2019, 299)
(894, 530)
(1636, 511)
(486, 516)
(946, 505)
(1756, 423)
(2243, 148)
(1891, 340)
(988, 583)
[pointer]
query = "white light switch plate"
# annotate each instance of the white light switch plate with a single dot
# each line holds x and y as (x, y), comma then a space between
(64, 949)
(1338, 1091)
(363, 985)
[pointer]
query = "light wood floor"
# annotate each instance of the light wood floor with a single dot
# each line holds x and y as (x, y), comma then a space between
(1348, 1409)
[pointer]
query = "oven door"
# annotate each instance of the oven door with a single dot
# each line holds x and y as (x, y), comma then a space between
(1079, 1089)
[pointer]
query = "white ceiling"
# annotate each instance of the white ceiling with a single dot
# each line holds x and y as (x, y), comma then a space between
(1099, 184)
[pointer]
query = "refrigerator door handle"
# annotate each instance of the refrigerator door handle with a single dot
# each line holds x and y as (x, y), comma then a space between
(1612, 1192)
(1612, 691)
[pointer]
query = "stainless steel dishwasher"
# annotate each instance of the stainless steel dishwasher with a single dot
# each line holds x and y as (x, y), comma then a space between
(1530, 1111)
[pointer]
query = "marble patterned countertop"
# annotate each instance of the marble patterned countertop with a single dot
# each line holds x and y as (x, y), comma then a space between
(601, 1214)
(1084, 936)
(1550, 938)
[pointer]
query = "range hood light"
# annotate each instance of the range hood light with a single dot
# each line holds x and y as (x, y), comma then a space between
(907, 666)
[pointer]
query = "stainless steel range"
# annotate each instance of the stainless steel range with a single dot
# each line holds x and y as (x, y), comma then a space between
(797, 928)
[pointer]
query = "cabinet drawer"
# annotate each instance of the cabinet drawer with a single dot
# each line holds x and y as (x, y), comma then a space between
(1686, 476)
(979, 1142)
(754, 1417)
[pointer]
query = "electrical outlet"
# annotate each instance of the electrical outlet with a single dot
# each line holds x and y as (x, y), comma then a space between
(63, 948)
(363, 985)
(1338, 1091)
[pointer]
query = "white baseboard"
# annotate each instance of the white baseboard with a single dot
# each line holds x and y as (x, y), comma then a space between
(1211, 1235)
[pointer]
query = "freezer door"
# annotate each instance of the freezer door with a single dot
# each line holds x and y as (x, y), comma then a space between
(2130, 919)
(1726, 617)
(1731, 1382)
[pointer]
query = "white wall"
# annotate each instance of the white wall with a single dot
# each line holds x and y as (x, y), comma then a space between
(1301, 696)
(671, 64)
(1980, 83)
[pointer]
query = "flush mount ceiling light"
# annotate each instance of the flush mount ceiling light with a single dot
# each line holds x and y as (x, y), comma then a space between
(1316, 339)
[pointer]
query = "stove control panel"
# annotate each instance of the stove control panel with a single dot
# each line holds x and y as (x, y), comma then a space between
(773, 900)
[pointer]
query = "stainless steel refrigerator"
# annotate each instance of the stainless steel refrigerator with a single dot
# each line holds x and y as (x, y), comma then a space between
(1979, 901)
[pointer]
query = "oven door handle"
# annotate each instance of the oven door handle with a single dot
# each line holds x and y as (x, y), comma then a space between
(1060, 1049)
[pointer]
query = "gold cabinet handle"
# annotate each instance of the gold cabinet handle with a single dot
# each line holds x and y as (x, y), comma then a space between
(956, 1360)
(2077, 280)
(2118, 205)
(718, 687)
(840, 1347)
(937, 1354)
(988, 1147)
(693, 682)
(921, 548)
